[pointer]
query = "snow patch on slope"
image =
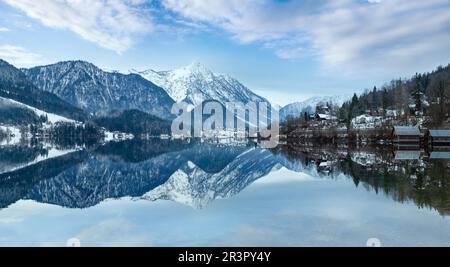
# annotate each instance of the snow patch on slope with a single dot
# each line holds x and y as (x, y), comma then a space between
(51, 153)
(53, 118)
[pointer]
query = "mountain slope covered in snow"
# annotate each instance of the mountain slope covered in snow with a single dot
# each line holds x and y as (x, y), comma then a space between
(6, 104)
(195, 83)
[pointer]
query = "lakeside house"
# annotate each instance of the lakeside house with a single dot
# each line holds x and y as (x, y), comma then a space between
(438, 137)
(406, 136)
(323, 113)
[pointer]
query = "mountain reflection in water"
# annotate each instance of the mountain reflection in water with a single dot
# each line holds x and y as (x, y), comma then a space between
(197, 174)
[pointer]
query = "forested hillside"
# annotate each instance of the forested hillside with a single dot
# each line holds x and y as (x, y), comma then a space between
(133, 121)
(424, 94)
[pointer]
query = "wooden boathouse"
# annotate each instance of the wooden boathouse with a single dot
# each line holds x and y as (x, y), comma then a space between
(438, 138)
(408, 136)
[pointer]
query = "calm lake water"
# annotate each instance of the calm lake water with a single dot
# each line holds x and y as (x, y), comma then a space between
(189, 193)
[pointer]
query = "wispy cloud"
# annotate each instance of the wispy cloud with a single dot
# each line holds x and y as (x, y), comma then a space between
(4, 29)
(19, 56)
(358, 35)
(350, 33)
(112, 24)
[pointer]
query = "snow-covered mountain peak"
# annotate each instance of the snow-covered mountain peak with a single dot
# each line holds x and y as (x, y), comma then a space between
(198, 68)
(196, 83)
(182, 187)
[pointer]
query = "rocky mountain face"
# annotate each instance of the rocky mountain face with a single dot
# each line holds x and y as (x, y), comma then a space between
(195, 83)
(87, 87)
(93, 90)
(14, 85)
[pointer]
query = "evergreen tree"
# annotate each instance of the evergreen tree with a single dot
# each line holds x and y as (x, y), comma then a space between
(417, 93)
(353, 110)
(442, 97)
(384, 100)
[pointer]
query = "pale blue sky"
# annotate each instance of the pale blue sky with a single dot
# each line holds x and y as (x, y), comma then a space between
(284, 50)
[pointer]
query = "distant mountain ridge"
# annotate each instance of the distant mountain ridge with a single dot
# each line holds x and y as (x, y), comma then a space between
(299, 108)
(195, 83)
(92, 90)
(89, 88)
